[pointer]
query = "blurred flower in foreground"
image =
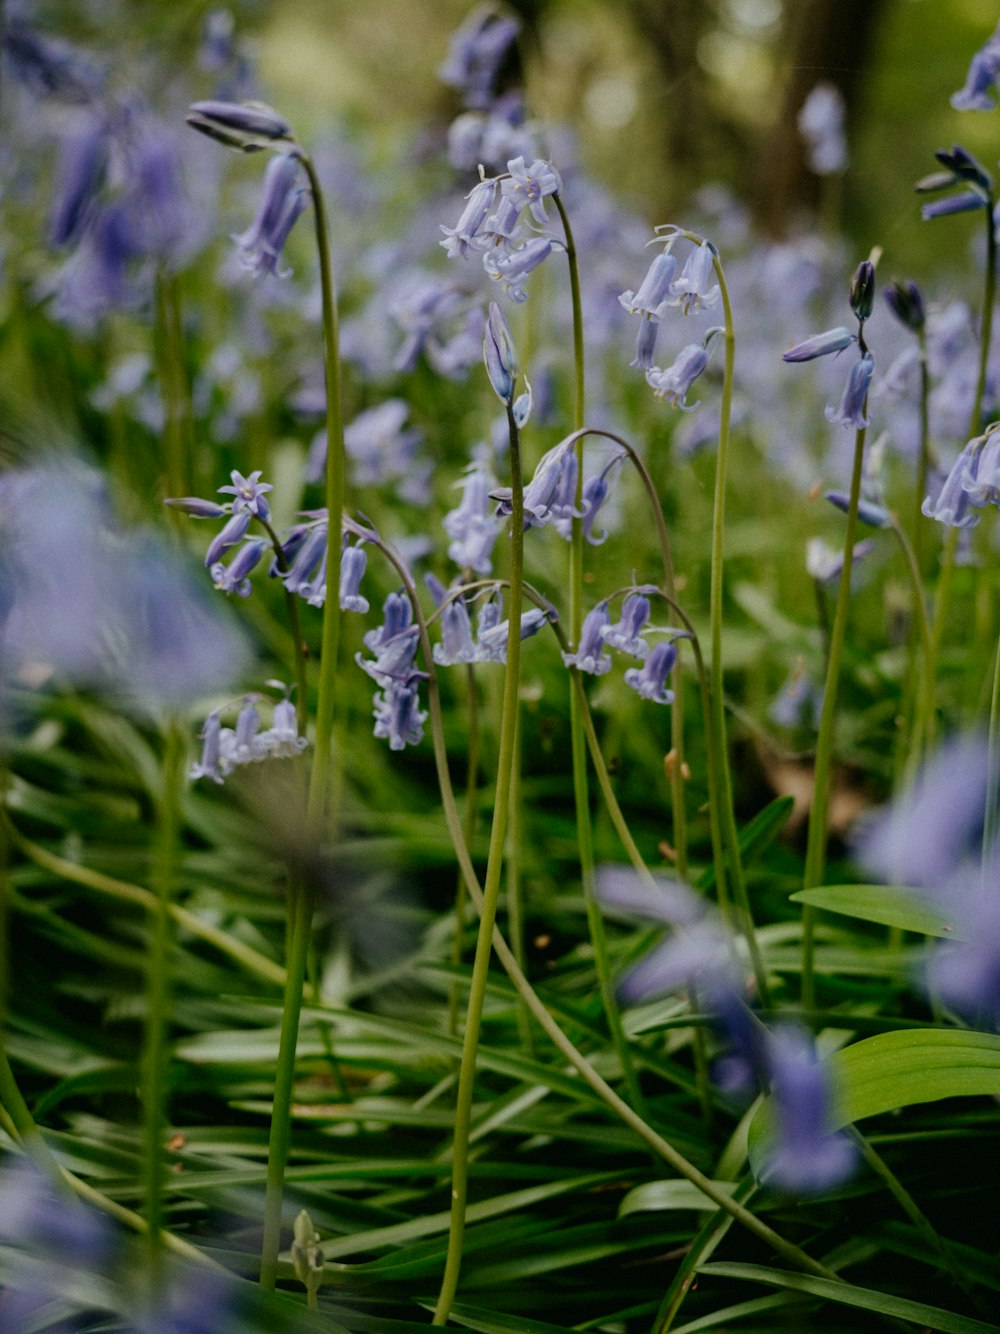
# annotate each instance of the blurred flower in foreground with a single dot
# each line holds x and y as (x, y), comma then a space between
(805, 1158)
(979, 91)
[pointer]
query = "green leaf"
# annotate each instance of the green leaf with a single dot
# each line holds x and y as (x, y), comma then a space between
(883, 1303)
(887, 905)
(897, 1069)
(755, 837)
(677, 1194)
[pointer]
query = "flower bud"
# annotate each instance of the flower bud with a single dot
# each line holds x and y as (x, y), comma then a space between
(245, 126)
(500, 354)
(863, 289)
(906, 303)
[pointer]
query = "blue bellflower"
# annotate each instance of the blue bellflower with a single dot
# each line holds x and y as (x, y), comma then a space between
(281, 203)
(805, 1158)
(673, 383)
(626, 633)
(851, 411)
(953, 505)
(592, 655)
(650, 680)
(979, 90)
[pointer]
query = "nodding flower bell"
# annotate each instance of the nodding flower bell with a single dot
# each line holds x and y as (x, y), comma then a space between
(851, 412)
(245, 126)
(500, 354)
(282, 202)
(650, 680)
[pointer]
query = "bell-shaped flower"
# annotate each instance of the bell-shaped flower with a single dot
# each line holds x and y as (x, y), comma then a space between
(530, 185)
(673, 383)
(694, 288)
(953, 505)
(456, 629)
(626, 633)
(655, 291)
(234, 531)
(512, 268)
(500, 355)
(805, 1158)
(353, 562)
(650, 680)
(462, 237)
(249, 494)
(820, 345)
(281, 203)
(235, 577)
(979, 91)
(592, 655)
(851, 412)
(243, 125)
(472, 526)
(398, 718)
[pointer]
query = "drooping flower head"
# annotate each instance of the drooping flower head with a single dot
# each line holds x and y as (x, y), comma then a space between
(979, 90)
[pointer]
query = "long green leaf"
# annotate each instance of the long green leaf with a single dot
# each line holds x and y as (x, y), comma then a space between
(886, 905)
(846, 1294)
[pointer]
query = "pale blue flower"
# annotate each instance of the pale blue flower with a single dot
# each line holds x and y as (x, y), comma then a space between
(353, 562)
(626, 633)
(476, 52)
(249, 494)
(673, 383)
(653, 297)
(471, 526)
(851, 411)
(650, 680)
(460, 238)
(592, 655)
(235, 577)
(953, 505)
(979, 91)
(500, 354)
(281, 204)
(530, 185)
(821, 124)
(821, 345)
(694, 289)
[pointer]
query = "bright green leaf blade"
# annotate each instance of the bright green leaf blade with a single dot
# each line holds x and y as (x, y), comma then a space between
(883, 1303)
(678, 1194)
(886, 905)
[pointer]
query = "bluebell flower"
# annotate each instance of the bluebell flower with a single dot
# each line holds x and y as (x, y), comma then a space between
(306, 573)
(798, 703)
(551, 492)
(511, 267)
(978, 92)
(821, 345)
(650, 680)
(234, 530)
(805, 1157)
(876, 516)
(397, 617)
(906, 302)
(851, 412)
(418, 304)
(353, 562)
(645, 344)
(530, 185)
(592, 655)
(673, 383)
(862, 293)
(655, 291)
(49, 66)
(967, 201)
(397, 714)
(243, 125)
(476, 52)
(821, 123)
(282, 739)
(460, 238)
(626, 633)
(456, 629)
(79, 176)
(491, 631)
(225, 749)
(964, 167)
(281, 203)
(981, 475)
(694, 288)
(249, 494)
(235, 577)
(211, 763)
(381, 447)
(953, 505)
(471, 526)
(824, 563)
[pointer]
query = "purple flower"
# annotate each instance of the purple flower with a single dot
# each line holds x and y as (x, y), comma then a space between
(851, 411)
(965, 202)
(492, 632)
(79, 176)
(981, 474)
(821, 124)
(820, 345)
(907, 304)
(234, 530)
(456, 629)
(953, 504)
(592, 655)
(980, 82)
(462, 237)
(674, 383)
(655, 290)
(650, 680)
(876, 516)
(692, 290)
(551, 491)
(234, 578)
(397, 714)
(353, 562)
(249, 494)
(805, 1157)
(476, 52)
(243, 125)
(530, 185)
(281, 203)
(626, 633)
(513, 266)
(472, 528)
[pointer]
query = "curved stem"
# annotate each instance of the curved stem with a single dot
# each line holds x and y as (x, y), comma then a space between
(922, 741)
(578, 747)
(471, 777)
(491, 889)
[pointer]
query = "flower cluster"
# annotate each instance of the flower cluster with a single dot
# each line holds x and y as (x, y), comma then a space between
(492, 226)
(227, 748)
(490, 644)
(550, 496)
(398, 718)
(599, 633)
(662, 289)
(973, 483)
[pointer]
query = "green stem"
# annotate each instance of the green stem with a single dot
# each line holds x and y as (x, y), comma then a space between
(469, 824)
(164, 881)
(323, 780)
(515, 884)
(491, 889)
(711, 1233)
(924, 456)
(922, 739)
(299, 918)
(578, 746)
(819, 810)
(323, 794)
(295, 626)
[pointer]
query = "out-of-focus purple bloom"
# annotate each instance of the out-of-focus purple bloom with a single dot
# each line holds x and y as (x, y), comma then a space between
(978, 93)
(821, 124)
(626, 633)
(226, 748)
(820, 345)
(472, 527)
(492, 137)
(694, 289)
(906, 302)
(398, 718)
(876, 516)
(936, 826)
(492, 632)
(460, 238)
(851, 412)
(981, 476)
(80, 172)
(805, 1157)
(953, 505)
(217, 46)
(235, 578)
(281, 203)
(210, 764)
(243, 125)
(530, 185)
(500, 355)
(650, 680)
(475, 54)
(419, 303)
(48, 66)
(964, 167)
(798, 703)
(248, 493)
(379, 445)
(456, 628)
(965, 202)
(673, 383)
(824, 564)
(592, 655)
(353, 563)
